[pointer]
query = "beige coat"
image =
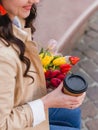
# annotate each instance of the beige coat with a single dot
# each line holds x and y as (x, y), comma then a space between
(15, 90)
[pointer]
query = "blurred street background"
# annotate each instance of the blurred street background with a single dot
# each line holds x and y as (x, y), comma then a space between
(87, 49)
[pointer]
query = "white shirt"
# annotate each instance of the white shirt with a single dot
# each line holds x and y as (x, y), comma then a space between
(37, 107)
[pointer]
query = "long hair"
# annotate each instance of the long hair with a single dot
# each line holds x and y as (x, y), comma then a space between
(6, 32)
(31, 18)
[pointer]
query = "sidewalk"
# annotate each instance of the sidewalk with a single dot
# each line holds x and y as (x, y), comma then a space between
(87, 50)
(55, 18)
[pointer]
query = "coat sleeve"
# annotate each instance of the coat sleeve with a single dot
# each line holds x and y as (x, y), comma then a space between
(10, 116)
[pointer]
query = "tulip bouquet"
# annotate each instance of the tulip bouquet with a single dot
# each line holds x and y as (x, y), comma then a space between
(56, 67)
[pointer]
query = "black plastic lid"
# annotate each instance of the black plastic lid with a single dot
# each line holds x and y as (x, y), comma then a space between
(75, 83)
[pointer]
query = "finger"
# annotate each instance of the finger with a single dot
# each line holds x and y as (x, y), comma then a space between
(82, 96)
(79, 98)
(76, 103)
(71, 99)
(75, 106)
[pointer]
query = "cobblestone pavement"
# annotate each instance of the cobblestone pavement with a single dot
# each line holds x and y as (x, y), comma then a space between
(87, 50)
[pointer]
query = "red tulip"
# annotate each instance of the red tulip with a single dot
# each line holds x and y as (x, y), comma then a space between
(55, 82)
(48, 74)
(74, 59)
(61, 76)
(65, 68)
(55, 73)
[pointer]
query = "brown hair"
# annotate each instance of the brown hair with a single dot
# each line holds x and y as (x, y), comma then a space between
(6, 32)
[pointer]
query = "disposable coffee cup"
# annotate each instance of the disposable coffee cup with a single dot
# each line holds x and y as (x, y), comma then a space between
(74, 85)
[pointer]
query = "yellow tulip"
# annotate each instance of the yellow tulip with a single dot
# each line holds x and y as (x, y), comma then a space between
(41, 55)
(59, 61)
(46, 60)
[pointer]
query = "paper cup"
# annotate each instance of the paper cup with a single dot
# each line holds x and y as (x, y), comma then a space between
(74, 85)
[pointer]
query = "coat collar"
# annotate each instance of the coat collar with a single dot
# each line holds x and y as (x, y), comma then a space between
(23, 34)
(20, 31)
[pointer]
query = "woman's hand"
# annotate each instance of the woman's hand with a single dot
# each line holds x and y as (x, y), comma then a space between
(57, 99)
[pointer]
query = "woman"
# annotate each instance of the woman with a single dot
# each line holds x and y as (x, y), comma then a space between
(24, 103)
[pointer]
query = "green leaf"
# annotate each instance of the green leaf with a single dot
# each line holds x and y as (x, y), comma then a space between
(41, 51)
(57, 56)
(48, 53)
(57, 67)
